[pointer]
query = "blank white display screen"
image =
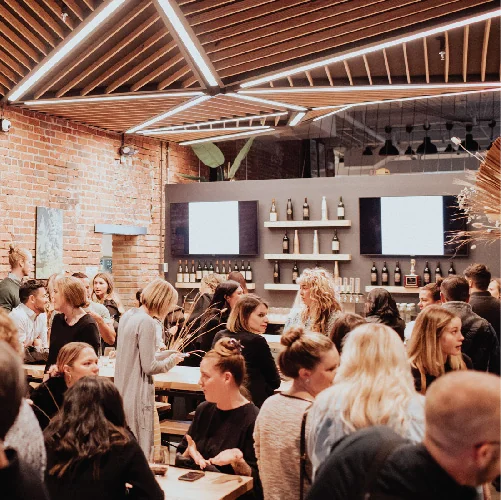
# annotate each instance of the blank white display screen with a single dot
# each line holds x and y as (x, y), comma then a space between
(412, 225)
(214, 228)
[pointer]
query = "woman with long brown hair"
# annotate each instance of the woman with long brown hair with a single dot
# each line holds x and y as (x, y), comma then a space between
(380, 307)
(435, 346)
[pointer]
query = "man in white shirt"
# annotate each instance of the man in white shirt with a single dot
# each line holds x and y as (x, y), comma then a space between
(31, 321)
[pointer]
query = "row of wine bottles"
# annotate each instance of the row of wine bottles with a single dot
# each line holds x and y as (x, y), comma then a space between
(306, 210)
(192, 274)
(335, 245)
(276, 272)
(397, 274)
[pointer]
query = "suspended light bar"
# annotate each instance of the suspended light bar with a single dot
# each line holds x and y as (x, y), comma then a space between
(193, 131)
(275, 104)
(188, 42)
(106, 98)
(297, 119)
(374, 48)
(171, 112)
(225, 137)
(78, 36)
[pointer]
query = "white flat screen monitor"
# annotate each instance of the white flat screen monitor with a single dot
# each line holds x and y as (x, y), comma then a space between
(410, 225)
(214, 228)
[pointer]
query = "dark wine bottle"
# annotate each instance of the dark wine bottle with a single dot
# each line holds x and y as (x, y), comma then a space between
(186, 274)
(193, 275)
(211, 268)
(285, 243)
(295, 273)
(205, 270)
(451, 269)
(306, 210)
(397, 276)
(223, 269)
(385, 275)
(235, 268)
(180, 274)
(340, 209)
(242, 268)
(438, 272)
(199, 272)
(248, 273)
(290, 212)
(374, 274)
(426, 274)
(335, 242)
(276, 273)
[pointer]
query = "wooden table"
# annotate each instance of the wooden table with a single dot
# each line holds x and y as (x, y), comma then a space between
(206, 488)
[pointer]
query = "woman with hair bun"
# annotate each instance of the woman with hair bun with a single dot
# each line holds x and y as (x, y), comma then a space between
(220, 436)
(310, 360)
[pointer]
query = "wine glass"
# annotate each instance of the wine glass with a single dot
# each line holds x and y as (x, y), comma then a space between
(159, 460)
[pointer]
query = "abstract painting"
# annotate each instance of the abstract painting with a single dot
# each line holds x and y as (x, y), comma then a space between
(49, 242)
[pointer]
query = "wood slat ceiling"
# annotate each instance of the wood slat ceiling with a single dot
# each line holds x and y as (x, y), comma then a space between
(198, 134)
(134, 52)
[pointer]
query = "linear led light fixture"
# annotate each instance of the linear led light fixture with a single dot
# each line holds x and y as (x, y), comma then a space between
(65, 49)
(214, 122)
(375, 48)
(368, 88)
(195, 130)
(98, 99)
(266, 101)
(297, 119)
(417, 98)
(171, 112)
(225, 137)
(188, 42)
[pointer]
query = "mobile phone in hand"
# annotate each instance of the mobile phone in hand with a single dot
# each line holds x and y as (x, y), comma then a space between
(192, 476)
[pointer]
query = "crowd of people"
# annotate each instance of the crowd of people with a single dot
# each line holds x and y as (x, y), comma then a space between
(371, 408)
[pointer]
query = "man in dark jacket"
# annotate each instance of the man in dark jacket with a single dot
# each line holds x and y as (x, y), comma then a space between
(480, 340)
(481, 301)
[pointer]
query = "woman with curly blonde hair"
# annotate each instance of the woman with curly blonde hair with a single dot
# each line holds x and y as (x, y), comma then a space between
(373, 386)
(319, 307)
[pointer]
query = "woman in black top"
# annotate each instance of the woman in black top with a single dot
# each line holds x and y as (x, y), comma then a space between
(74, 361)
(380, 307)
(72, 324)
(220, 436)
(90, 452)
(247, 322)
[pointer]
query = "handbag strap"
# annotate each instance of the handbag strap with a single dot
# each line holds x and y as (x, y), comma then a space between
(303, 456)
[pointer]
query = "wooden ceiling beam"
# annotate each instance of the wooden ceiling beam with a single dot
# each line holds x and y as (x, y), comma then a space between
(318, 41)
(21, 44)
(56, 8)
(75, 8)
(387, 66)
(8, 73)
(367, 69)
(14, 52)
(466, 34)
(485, 46)
(89, 4)
(291, 83)
(31, 22)
(152, 40)
(174, 77)
(329, 76)
(406, 60)
(137, 68)
(224, 12)
(309, 78)
(157, 72)
(24, 30)
(76, 61)
(348, 72)
(189, 82)
(5, 82)
(10, 62)
(426, 65)
(447, 58)
(201, 5)
(45, 17)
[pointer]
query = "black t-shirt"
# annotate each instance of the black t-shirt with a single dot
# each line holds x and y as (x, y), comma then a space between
(47, 399)
(84, 330)
(408, 473)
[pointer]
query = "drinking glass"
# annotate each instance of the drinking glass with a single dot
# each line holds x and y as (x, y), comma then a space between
(159, 459)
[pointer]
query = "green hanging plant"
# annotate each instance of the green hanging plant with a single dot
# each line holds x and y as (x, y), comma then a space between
(209, 154)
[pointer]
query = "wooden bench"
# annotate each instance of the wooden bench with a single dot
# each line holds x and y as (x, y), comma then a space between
(163, 409)
(174, 427)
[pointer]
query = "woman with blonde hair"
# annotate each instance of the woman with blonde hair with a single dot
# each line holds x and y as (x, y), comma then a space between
(373, 386)
(136, 362)
(435, 346)
(319, 307)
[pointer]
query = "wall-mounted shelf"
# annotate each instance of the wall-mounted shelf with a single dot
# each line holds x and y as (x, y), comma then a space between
(307, 256)
(281, 286)
(307, 223)
(394, 289)
(250, 286)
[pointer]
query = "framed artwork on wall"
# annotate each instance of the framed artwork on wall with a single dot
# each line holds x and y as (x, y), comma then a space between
(49, 242)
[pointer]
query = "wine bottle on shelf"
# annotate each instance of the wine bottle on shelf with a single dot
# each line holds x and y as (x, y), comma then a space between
(336, 270)
(211, 268)
(193, 275)
(306, 210)
(374, 274)
(451, 269)
(285, 243)
(273, 211)
(316, 247)
(325, 215)
(235, 268)
(397, 275)
(248, 273)
(385, 275)
(242, 268)
(335, 242)
(180, 274)
(296, 241)
(426, 274)
(290, 212)
(295, 273)
(199, 271)
(340, 209)
(216, 270)
(223, 269)
(276, 273)
(438, 272)
(186, 274)
(205, 270)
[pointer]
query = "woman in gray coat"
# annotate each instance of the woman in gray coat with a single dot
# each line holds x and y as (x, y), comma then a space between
(136, 362)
